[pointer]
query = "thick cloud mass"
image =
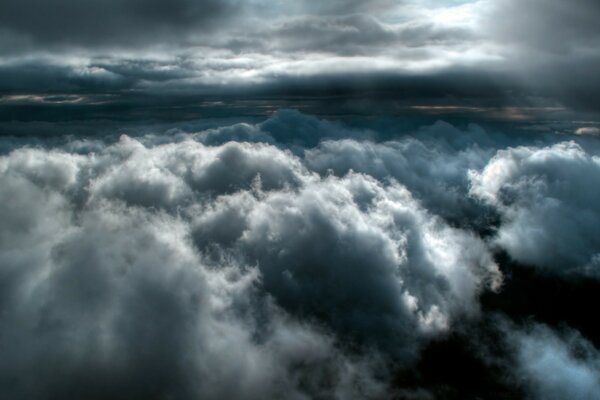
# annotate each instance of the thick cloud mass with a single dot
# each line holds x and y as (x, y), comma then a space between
(435, 175)
(298, 258)
(548, 201)
(161, 267)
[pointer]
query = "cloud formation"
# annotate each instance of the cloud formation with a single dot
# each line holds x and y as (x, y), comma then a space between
(161, 266)
(556, 366)
(247, 47)
(109, 22)
(546, 197)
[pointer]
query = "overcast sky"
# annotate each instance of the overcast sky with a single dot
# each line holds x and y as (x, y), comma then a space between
(535, 53)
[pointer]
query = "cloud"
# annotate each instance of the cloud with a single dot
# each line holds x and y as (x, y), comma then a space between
(554, 43)
(546, 25)
(120, 299)
(292, 258)
(588, 130)
(354, 254)
(546, 197)
(217, 46)
(166, 267)
(355, 34)
(556, 366)
(436, 175)
(109, 22)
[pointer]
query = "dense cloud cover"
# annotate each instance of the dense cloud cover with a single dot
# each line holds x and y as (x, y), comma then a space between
(500, 53)
(176, 261)
(69, 22)
(255, 261)
(427, 227)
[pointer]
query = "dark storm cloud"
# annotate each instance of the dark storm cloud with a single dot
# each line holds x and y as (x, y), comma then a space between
(366, 49)
(290, 48)
(167, 78)
(173, 90)
(109, 22)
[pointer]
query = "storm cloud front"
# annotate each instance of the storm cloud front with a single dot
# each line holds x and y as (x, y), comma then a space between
(233, 199)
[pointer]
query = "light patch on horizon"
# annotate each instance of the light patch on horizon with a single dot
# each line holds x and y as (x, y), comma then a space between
(588, 130)
(36, 98)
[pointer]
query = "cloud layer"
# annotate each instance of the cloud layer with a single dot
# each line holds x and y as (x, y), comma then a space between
(292, 258)
(443, 51)
(218, 271)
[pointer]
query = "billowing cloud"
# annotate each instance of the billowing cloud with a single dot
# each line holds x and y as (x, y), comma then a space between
(547, 199)
(435, 175)
(166, 267)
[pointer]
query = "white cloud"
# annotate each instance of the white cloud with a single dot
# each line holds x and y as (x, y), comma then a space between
(547, 199)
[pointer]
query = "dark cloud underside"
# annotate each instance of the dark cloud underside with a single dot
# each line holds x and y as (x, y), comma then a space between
(109, 22)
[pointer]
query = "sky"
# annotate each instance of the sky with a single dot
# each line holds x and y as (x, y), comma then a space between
(343, 199)
(498, 58)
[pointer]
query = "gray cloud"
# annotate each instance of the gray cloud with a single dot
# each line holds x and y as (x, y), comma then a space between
(292, 258)
(109, 22)
(436, 175)
(546, 197)
(212, 47)
(166, 233)
(120, 299)
(355, 34)
(555, 45)
(547, 25)
(218, 271)
(556, 366)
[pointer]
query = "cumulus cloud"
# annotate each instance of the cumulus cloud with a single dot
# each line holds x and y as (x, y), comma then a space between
(555, 365)
(437, 176)
(547, 199)
(166, 267)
